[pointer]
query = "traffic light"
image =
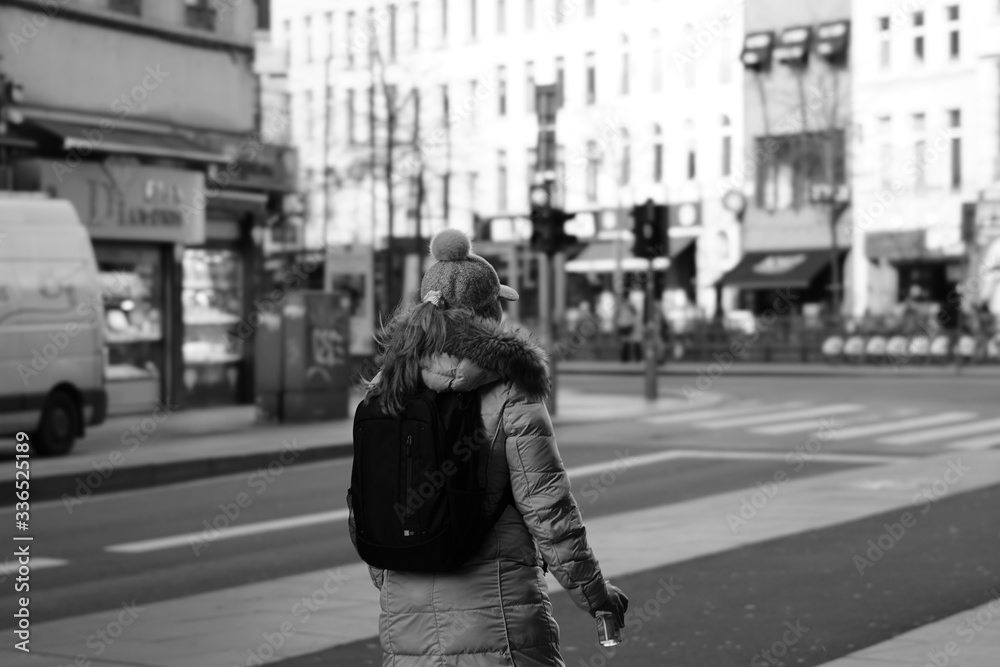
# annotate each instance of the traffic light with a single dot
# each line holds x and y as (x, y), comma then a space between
(650, 229)
(548, 233)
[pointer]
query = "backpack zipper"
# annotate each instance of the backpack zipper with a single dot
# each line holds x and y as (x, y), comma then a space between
(409, 475)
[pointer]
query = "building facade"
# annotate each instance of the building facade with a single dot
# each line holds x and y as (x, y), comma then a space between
(145, 115)
(926, 115)
(798, 110)
(650, 107)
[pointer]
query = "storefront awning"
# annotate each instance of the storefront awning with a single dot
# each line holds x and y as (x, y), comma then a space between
(599, 257)
(127, 142)
(777, 269)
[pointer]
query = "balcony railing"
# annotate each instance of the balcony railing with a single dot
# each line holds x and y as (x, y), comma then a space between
(133, 7)
(200, 17)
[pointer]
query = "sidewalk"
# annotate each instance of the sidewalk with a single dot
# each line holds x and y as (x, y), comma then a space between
(778, 369)
(224, 627)
(143, 450)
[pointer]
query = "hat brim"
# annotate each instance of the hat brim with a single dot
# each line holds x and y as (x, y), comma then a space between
(508, 293)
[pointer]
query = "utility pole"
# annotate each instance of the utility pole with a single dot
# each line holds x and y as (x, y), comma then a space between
(548, 237)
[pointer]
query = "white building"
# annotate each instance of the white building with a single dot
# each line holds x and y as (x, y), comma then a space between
(652, 108)
(927, 121)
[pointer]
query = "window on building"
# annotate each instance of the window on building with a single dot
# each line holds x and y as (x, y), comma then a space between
(501, 180)
(308, 102)
(691, 155)
(884, 28)
(657, 70)
(885, 151)
(446, 197)
(623, 89)
(309, 39)
(793, 164)
(471, 185)
(329, 35)
(415, 16)
(444, 20)
(473, 87)
(501, 16)
(727, 147)
(445, 105)
(529, 14)
(558, 11)
(954, 36)
(955, 123)
(657, 154)
(350, 39)
(560, 82)
(473, 18)
(919, 122)
(589, 8)
(198, 14)
(918, 49)
(393, 12)
(918, 19)
(372, 32)
(502, 90)
(625, 165)
(352, 137)
(529, 87)
(593, 167)
(726, 59)
(919, 161)
(591, 79)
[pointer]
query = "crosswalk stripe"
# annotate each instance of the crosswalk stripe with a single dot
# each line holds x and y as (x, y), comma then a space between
(810, 425)
(982, 442)
(942, 433)
(819, 412)
(11, 566)
(744, 408)
(902, 425)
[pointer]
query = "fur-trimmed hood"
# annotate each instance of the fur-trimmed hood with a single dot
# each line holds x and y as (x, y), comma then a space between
(478, 351)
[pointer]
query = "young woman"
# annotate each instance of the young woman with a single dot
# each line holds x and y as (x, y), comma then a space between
(495, 610)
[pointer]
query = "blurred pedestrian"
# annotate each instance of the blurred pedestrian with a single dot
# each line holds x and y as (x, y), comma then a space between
(626, 324)
(495, 609)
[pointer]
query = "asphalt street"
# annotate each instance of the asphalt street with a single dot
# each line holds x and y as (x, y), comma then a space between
(159, 544)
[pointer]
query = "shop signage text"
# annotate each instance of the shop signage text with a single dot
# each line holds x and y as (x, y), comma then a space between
(127, 202)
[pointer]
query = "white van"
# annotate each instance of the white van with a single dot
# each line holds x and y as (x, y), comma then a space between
(51, 324)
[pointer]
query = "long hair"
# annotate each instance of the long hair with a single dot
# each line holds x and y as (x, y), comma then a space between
(412, 333)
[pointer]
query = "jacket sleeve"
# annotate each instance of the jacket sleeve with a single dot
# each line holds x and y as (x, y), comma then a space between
(542, 494)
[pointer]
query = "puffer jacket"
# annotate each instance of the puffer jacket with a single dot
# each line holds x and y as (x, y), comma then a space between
(496, 609)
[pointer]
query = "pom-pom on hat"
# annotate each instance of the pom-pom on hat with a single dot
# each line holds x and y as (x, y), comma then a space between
(463, 278)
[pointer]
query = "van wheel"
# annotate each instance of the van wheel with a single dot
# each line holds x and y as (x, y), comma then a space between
(59, 426)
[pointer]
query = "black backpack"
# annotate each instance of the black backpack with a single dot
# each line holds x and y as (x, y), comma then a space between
(417, 500)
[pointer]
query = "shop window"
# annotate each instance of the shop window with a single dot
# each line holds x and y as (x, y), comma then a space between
(212, 303)
(133, 291)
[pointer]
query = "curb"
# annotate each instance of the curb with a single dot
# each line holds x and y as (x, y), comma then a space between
(160, 474)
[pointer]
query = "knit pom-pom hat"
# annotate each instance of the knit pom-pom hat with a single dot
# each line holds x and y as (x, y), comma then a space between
(460, 277)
